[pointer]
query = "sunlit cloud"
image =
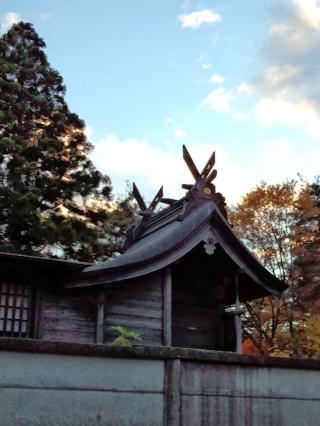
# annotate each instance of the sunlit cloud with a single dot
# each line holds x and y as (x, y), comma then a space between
(309, 11)
(163, 165)
(223, 100)
(140, 161)
(288, 84)
(8, 20)
(219, 100)
(277, 75)
(88, 131)
(294, 114)
(198, 18)
(151, 166)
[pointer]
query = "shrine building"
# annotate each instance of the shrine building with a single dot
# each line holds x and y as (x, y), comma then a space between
(180, 280)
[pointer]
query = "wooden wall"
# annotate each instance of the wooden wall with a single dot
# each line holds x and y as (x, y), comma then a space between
(138, 306)
(196, 320)
(65, 317)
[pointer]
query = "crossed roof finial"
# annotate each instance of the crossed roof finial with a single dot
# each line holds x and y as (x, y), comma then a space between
(140, 200)
(203, 189)
(203, 184)
(208, 173)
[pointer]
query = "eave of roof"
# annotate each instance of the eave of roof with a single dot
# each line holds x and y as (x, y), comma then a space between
(165, 244)
(153, 252)
(41, 260)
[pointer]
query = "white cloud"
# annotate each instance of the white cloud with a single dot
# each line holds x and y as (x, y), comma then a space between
(294, 31)
(180, 134)
(219, 100)
(88, 131)
(244, 89)
(273, 154)
(292, 36)
(278, 109)
(241, 117)
(216, 78)
(309, 11)
(139, 160)
(205, 60)
(8, 20)
(170, 120)
(198, 18)
(277, 149)
(279, 159)
(288, 83)
(279, 74)
(228, 101)
(152, 166)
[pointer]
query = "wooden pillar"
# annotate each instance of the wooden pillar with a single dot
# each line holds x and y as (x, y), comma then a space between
(100, 317)
(172, 392)
(37, 313)
(167, 307)
(237, 318)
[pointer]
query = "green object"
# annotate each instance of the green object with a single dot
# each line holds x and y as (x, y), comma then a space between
(53, 201)
(126, 337)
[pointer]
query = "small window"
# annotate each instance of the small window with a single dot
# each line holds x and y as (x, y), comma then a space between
(15, 310)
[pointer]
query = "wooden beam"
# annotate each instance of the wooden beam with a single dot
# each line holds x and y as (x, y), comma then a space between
(208, 167)
(138, 197)
(100, 317)
(211, 176)
(156, 199)
(172, 392)
(167, 307)
(169, 201)
(192, 167)
(187, 186)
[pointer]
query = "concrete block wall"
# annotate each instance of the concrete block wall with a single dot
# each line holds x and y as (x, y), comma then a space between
(51, 383)
(246, 395)
(47, 389)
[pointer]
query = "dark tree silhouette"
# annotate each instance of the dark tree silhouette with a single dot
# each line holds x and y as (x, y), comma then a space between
(52, 198)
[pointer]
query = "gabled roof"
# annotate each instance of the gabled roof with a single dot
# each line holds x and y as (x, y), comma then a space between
(166, 237)
(157, 240)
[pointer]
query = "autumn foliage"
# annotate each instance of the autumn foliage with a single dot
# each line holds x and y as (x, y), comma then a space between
(280, 224)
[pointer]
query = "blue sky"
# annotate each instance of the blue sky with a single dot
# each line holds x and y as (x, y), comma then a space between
(240, 78)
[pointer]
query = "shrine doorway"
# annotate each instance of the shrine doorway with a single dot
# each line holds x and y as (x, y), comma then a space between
(197, 301)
